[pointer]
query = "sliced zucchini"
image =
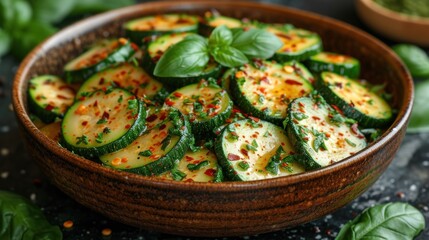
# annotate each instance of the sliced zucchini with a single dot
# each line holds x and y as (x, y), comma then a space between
(236, 115)
(249, 150)
(298, 44)
(225, 80)
(214, 19)
(139, 29)
(265, 91)
(300, 69)
(127, 76)
(199, 166)
(99, 57)
(156, 49)
(206, 105)
(334, 62)
(49, 97)
(320, 133)
(155, 151)
(103, 122)
(355, 100)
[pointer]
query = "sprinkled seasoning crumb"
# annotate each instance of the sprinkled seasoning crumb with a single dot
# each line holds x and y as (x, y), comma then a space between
(106, 232)
(68, 224)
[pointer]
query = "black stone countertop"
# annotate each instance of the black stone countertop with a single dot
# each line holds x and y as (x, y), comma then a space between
(406, 179)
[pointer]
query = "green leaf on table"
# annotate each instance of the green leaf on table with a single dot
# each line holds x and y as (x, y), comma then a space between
(20, 219)
(393, 221)
(34, 32)
(256, 43)
(419, 121)
(229, 57)
(416, 60)
(4, 42)
(51, 11)
(186, 58)
(93, 6)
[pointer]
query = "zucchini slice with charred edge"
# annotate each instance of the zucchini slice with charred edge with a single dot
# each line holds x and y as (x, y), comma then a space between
(139, 29)
(320, 133)
(298, 44)
(252, 150)
(334, 62)
(103, 122)
(155, 151)
(266, 89)
(99, 57)
(199, 166)
(355, 100)
(206, 105)
(156, 49)
(127, 76)
(49, 97)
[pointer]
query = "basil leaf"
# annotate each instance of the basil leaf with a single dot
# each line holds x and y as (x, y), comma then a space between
(416, 60)
(4, 42)
(393, 221)
(184, 59)
(14, 14)
(20, 219)
(229, 57)
(257, 43)
(51, 11)
(419, 121)
(220, 36)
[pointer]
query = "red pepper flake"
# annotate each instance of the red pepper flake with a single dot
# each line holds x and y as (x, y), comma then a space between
(101, 82)
(62, 96)
(163, 126)
(265, 80)
(134, 46)
(244, 152)
(339, 85)
(210, 172)
(188, 158)
(316, 118)
(354, 128)
(177, 94)
(338, 109)
(49, 107)
(293, 82)
(151, 118)
(254, 119)
(169, 102)
(84, 123)
(105, 115)
(127, 126)
(233, 157)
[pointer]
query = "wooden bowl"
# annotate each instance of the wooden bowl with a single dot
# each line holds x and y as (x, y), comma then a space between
(208, 209)
(394, 25)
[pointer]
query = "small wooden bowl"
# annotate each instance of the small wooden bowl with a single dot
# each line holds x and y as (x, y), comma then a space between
(208, 209)
(394, 25)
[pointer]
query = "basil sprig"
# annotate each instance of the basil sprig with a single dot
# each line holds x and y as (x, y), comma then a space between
(230, 48)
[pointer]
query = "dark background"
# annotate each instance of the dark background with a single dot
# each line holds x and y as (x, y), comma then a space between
(406, 180)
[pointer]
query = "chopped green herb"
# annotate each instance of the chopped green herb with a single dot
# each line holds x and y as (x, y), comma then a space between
(241, 81)
(106, 130)
(82, 139)
(177, 174)
(274, 162)
(243, 165)
(251, 148)
(319, 141)
(299, 116)
(261, 98)
(133, 105)
(193, 167)
(101, 121)
(99, 138)
(120, 99)
(166, 142)
(146, 153)
(350, 142)
(109, 89)
(267, 134)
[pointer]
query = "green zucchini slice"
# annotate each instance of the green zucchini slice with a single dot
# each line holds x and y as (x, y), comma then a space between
(214, 19)
(320, 133)
(99, 57)
(355, 100)
(206, 105)
(127, 76)
(253, 150)
(264, 91)
(103, 122)
(49, 97)
(199, 166)
(156, 49)
(140, 29)
(334, 62)
(298, 44)
(300, 69)
(155, 151)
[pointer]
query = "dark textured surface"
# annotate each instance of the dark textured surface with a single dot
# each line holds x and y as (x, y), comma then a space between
(406, 179)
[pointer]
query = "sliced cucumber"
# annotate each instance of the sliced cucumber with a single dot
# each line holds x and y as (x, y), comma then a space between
(199, 166)
(249, 150)
(355, 100)
(49, 97)
(127, 76)
(103, 122)
(298, 44)
(139, 29)
(155, 151)
(320, 133)
(99, 57)
(265, 91)
(156, 49)
(206, 105)
(334, 62)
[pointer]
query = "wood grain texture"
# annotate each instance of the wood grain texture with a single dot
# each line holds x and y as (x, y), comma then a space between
(207, 209)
